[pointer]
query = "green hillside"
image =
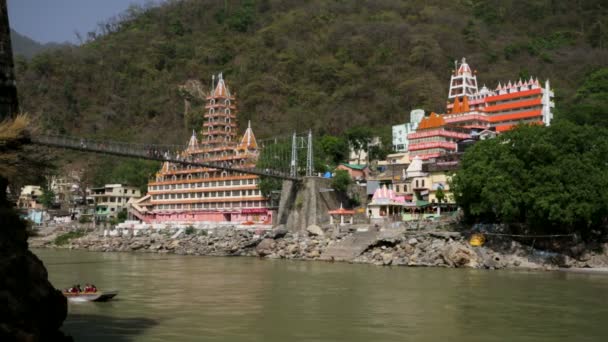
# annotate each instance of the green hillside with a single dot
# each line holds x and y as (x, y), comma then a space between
(26, 47)
(328, 65)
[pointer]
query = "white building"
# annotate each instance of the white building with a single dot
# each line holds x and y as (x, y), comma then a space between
(112, 199)
(400, 132)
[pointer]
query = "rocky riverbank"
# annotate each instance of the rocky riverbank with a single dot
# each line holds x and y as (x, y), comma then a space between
(387, 248)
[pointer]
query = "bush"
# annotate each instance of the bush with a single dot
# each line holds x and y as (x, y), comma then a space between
(84, 219)
(189, 230)
(341, 181)
(65, 238)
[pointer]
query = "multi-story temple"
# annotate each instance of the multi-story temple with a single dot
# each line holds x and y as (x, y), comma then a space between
(197, 194)
(470, 111)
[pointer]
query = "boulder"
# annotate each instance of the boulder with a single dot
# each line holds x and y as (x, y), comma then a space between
(265, 247)
(387, 258)
(460, 256)
(278, 232)
(315, 230)
(314, 254)
(412, 242)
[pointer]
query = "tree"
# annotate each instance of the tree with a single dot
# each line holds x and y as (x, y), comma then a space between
(359, 139)
(439, 194)
(546, 179)
(341, 181)
(47, 198)
(334, 148)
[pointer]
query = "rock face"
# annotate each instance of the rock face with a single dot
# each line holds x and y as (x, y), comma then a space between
(31, 308)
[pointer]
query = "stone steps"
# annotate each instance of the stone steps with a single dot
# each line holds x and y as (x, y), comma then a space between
(350, 247)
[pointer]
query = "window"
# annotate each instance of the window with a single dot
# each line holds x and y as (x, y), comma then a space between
(423, 183)
(416, 183)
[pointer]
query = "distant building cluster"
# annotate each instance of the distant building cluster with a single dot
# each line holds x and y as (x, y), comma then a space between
(414, 181)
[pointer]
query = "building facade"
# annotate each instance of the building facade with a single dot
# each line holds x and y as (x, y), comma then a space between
(434, 138)
(196, 194)
(112, 199)
(401, 132)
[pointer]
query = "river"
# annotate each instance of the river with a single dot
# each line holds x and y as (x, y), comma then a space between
(188, 298)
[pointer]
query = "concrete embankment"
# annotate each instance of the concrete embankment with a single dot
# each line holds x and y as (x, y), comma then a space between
(396, 248)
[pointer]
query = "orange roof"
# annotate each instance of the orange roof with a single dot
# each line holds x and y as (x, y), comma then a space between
(432, 121)
(341, 211)
(456, 107)
(515, 116)
(248, 142)
(465, 104)
(513, 104)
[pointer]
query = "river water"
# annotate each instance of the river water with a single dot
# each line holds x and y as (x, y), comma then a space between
(188, 298)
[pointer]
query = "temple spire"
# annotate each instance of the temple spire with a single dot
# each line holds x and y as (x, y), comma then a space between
(463, 82)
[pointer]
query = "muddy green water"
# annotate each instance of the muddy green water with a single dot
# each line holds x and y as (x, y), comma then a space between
(184, 298)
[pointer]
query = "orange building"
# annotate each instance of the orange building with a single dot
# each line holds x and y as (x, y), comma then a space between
(470, 111)
(434, 137)
(194, 194)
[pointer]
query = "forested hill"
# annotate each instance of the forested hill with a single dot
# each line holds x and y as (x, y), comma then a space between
(329, 65)
(26, 47)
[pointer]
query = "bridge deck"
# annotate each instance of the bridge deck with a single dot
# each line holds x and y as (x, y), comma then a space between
(139, 151)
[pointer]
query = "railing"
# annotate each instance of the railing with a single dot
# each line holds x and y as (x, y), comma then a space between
(169, 153)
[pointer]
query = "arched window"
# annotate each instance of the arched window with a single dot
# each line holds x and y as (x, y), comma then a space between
(189, 176)
(212, 101)
(227, 102)
(224, 174)
(211, 110)
(174, 178)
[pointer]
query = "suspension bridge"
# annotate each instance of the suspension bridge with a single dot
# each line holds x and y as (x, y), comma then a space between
(281, 157)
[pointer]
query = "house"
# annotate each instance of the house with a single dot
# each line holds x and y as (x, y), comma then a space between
(356, 171)
(29, 197)
(112, 199)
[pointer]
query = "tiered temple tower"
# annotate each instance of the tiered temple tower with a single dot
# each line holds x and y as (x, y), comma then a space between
(192, 194)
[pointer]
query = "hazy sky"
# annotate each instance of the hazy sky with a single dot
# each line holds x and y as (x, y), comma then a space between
(56, 20)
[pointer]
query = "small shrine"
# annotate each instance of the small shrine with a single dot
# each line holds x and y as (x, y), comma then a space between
(342, 213)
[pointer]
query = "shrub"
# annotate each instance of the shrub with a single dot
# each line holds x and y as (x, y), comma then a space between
(65, 238)
(341, 181)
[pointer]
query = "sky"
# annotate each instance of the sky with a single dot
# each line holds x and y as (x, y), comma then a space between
(57, 20)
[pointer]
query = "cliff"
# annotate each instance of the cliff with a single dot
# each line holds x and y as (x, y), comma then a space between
(31, 309)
